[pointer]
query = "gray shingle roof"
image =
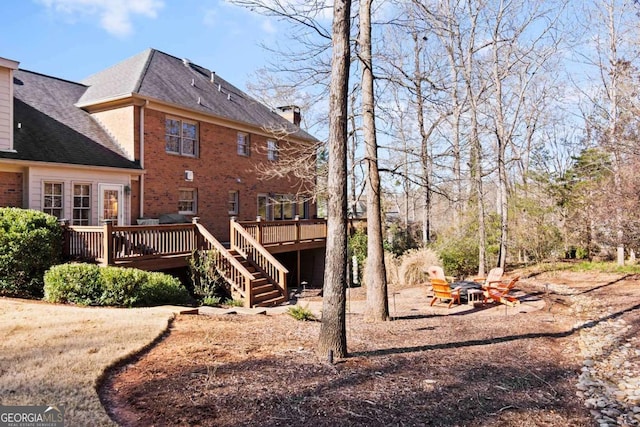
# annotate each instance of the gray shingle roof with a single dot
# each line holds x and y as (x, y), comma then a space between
(160, 76)
(53, 129)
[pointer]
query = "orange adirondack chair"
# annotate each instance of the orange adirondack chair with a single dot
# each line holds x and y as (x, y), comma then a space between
(441, 288)
(499, 292)
(494, 276)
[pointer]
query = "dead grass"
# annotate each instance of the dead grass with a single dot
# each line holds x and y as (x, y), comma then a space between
(414, 265)
(55, 354)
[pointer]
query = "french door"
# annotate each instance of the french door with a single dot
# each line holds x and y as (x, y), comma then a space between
(110, 203)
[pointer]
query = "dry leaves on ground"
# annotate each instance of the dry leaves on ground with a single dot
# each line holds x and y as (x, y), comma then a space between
(477, 368)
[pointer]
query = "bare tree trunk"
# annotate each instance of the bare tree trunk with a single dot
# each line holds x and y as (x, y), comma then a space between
(476, 147)
(424, 147)
(503, 207)
(333, 336)
(377, 308)
(353, 146)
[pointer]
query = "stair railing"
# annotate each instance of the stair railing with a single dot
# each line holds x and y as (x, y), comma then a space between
(243, 243)
(229, 267)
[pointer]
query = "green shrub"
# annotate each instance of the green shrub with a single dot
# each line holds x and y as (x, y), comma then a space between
(358, 247)
(121, 286)
(75, 283)
(211, 301)
(88, 284)
(234, 302)
(301, 313)
(161, 289)
(205, 278)
(30, 243)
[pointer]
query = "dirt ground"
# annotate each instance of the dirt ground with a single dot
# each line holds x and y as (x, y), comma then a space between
(430, 366)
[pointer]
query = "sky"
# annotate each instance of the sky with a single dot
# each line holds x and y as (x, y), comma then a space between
(72, 39)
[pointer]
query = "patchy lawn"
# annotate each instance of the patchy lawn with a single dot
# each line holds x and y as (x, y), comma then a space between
(430, 366)
(55, 354)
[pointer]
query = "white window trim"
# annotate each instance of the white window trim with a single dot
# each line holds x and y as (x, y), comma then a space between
(246, 145)
(273, 155)
(43, 196)
(121, 200)
(73, 196)
(236, 193)
(194, 191)
(196, 142)
(268, 211)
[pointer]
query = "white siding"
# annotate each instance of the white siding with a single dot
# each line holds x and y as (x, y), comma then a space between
(6, 109)
(68, 177)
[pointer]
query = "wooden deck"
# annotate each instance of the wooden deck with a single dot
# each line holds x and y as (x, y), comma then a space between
(286, 236)
(247, 264)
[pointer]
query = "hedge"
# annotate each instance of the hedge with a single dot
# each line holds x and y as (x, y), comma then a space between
(30, 243)
(88, 284)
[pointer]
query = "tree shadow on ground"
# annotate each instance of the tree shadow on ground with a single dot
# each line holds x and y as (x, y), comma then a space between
(493, 340)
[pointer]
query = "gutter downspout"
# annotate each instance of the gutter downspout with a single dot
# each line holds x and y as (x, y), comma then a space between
(141, 157)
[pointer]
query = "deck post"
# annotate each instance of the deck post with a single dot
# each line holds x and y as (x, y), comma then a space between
(297, 220)
(199, 244)
(232, 232)
(66, 237)
(259, 231)
(108, 242)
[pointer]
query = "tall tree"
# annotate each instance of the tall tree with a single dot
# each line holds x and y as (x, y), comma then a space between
(377, 307)
(333, 336)
(611, 49)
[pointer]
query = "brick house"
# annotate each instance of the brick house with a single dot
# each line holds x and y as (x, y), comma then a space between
(150, 136)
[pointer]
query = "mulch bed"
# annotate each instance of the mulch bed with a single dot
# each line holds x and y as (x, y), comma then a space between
(468, 369)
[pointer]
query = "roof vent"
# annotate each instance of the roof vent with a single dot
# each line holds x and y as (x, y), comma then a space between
(219, 87)
(199, 101)
(213, 76)
(193, 82)
(186, 62)
(228, 97)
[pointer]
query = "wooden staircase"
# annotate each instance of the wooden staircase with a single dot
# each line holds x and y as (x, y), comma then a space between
(263, 292)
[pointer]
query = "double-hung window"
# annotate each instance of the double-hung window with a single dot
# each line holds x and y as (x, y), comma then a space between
(181, 137)
(81, 204)
(187, 201)
(52, 199)
(233, 202)
(244, 147)
(272, 150)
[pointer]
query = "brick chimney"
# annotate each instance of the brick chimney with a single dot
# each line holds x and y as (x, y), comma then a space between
(291, 113)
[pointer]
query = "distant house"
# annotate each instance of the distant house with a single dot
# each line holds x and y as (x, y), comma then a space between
(152, 137)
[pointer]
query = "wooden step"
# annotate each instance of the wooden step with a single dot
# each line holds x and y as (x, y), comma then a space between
(266, 296)
(260, 281)
(261, 289)
(271, 302)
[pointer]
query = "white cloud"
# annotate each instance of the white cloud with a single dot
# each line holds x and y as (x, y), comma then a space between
(115, 15)
(268, 27)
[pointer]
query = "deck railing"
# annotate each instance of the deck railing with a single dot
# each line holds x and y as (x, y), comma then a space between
(148, 241)
(271, 233)
(84, 242)
(245, 244)
(120, 245)
(110, 244)
(229, 267)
